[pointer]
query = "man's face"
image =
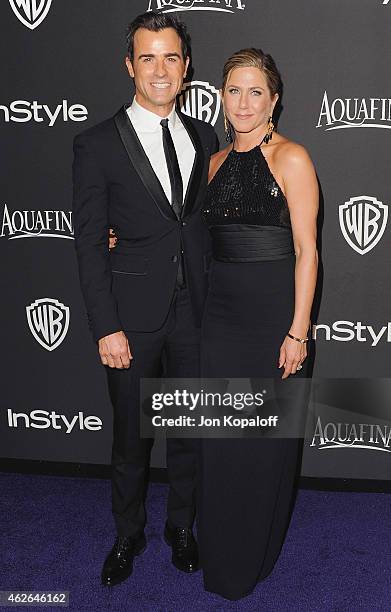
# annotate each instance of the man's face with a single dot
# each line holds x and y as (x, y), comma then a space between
(158, 69)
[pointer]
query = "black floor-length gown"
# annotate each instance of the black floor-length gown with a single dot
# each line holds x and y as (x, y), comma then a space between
(246, 486)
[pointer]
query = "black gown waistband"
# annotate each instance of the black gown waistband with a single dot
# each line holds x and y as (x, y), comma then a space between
(247, 243)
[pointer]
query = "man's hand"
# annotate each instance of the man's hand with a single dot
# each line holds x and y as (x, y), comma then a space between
(114, 350)
(112, 239)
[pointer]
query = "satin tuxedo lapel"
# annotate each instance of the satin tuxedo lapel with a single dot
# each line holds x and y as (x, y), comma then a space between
(193, 189)
(142, 166)
(141, 163)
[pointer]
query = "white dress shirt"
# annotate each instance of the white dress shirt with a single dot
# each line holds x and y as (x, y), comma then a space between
(150, 133)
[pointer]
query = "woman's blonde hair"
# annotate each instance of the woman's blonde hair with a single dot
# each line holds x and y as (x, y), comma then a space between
(254, 58)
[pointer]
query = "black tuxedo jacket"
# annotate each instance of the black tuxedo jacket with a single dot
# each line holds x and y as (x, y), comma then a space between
(131, 287)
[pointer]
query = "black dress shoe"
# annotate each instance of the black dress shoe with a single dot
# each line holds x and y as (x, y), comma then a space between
(184, 548)
(119, 563)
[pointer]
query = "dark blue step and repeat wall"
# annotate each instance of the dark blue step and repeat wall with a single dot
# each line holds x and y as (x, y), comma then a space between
(62, 70)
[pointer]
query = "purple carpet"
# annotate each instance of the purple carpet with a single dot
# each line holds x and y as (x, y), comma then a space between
(57, 531)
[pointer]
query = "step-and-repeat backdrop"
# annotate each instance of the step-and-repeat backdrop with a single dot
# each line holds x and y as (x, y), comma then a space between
(62, 70)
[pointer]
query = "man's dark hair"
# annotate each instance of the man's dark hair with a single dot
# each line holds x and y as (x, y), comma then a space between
(154, 22)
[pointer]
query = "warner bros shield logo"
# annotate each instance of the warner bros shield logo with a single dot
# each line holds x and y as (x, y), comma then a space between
(31, 12)
(200, 100)
(48, 321)
(363, 220)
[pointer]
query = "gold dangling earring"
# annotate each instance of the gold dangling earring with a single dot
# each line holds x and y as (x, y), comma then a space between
(270, 129)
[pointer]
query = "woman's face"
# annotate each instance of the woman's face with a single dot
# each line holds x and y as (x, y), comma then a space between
(247, 101)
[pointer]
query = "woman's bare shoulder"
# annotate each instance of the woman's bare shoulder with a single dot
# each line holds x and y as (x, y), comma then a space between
(290, 153)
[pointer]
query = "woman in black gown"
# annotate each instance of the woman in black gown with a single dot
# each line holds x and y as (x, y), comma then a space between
(261, 209)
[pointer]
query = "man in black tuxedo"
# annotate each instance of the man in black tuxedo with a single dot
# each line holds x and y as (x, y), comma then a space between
(144, 173)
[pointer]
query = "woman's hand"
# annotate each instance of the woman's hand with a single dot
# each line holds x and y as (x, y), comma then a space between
(292, 355)
(112, 239)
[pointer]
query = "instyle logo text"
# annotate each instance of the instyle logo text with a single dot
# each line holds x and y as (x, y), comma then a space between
(42, 419)
(350, 331)
(23, 111)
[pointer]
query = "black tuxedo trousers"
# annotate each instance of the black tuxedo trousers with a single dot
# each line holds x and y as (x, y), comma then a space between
(172, 351)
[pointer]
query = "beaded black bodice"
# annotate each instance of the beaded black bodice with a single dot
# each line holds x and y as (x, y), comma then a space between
(244, 190)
